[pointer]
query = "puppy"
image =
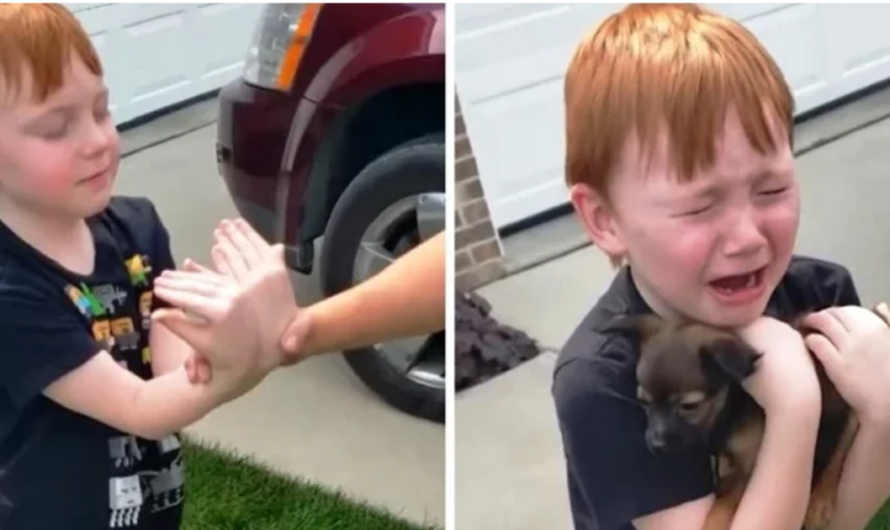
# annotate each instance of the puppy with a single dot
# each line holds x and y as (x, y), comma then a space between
(689, 383)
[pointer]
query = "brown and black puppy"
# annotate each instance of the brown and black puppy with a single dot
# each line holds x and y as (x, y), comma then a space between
(689, 383)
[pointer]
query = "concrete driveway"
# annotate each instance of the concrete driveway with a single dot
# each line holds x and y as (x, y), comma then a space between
(314, 420)
(510, 470)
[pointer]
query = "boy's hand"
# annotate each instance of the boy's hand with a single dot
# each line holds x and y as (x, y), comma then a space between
(785, 381)
(853, 344)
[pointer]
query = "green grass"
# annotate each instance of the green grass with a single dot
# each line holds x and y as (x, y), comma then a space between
(226, 491)
(881, 521)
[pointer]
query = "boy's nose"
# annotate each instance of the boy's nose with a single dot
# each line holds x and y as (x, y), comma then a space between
(744, 236)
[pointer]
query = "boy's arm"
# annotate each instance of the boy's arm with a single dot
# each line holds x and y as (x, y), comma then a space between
(621, 481)
(48, 350)
(108, 393)
(169, 352)
(865, 484)
(779, 481)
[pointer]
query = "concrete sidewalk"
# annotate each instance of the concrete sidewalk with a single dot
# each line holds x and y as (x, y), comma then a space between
(510, 471)
(315, 420)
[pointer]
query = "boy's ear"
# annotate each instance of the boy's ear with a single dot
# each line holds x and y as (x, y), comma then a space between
(597, 219)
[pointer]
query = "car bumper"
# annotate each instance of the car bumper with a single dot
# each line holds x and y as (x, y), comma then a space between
(252, 132)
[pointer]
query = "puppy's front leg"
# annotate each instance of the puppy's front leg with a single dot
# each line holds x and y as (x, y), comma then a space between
(822, 500)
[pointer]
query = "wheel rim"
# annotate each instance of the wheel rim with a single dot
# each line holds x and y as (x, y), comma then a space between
(399, 228)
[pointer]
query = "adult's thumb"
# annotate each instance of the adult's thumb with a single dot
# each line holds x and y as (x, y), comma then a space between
(194, 334)
(294, 337)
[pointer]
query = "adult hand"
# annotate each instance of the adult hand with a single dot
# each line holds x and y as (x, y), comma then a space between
(210, 317)
(785, 381)
(853, 344)
(253, 286)
(238, 256)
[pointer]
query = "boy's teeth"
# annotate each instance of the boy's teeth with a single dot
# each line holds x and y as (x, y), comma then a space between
(751, 280)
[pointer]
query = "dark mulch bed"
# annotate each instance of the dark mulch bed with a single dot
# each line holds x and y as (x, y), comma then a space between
(484, 347)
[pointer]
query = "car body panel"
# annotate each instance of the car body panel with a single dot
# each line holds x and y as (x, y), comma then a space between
(270, 142)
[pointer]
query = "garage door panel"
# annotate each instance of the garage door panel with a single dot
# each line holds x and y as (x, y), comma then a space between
(505, 58)
(491, 17)
(872, 42)
(512, 141)
(223, 61)
(509, 58)
(747, 12)
(157, 55)
(164, 35)
(792, 35)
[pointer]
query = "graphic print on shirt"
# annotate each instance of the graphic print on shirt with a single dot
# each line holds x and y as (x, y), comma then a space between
(149, 490)
(145, 300)
(148, 476)
(110, 297)
(139, 267)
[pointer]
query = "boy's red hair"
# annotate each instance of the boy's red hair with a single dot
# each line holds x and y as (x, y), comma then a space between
(41, 38)
(667, 68)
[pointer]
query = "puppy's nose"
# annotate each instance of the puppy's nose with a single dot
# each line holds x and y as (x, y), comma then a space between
(655, 441)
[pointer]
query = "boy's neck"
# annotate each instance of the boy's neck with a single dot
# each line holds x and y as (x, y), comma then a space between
(67, 241)
(654, 301)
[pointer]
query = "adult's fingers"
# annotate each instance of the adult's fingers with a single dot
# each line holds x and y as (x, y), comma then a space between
(827, 323)
(220, 261)
(242, 244)
(232, 256)
(260, 245)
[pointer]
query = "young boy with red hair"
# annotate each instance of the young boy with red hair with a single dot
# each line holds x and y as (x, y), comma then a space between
(91, 393)
(679, 132)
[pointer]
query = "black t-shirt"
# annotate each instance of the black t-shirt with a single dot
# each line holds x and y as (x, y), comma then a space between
(60, 469)
(612, 477)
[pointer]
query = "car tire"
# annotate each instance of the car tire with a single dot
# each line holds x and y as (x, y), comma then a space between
(413, 168)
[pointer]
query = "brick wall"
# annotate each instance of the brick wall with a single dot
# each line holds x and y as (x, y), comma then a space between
(477, 249)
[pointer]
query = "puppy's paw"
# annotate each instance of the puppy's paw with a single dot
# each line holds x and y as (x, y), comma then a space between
(819, 512)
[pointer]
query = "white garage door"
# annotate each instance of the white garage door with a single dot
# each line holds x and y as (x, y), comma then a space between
(157, 55)
(511, 60)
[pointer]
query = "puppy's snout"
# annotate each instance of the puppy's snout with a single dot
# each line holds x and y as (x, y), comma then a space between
(656, 440)
(657, 433)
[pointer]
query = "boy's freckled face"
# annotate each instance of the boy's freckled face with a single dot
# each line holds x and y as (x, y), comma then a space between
(60, 155)
(693, 247)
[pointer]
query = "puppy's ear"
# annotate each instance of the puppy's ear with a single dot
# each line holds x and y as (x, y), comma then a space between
(730, 358)
(642, 326)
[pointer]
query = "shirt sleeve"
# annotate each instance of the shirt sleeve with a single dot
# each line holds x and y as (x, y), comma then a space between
(840, 290)
(41, 341)
(613, 474)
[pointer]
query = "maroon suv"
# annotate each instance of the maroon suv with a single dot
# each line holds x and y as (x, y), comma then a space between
(336, 129)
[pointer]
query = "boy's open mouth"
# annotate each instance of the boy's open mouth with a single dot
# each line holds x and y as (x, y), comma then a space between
(739, 287)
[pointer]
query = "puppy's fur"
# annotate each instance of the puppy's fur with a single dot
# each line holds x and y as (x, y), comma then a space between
(689, 383)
